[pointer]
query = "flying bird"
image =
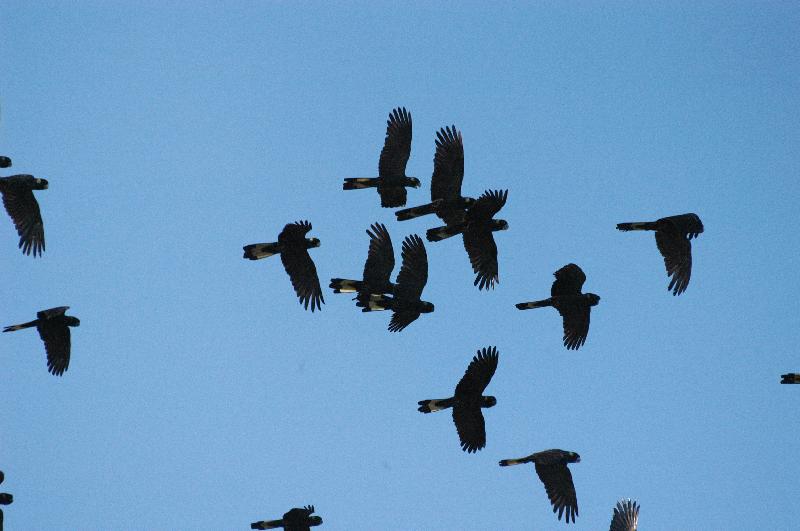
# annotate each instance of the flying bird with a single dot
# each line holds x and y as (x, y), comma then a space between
(377, 269)
(53, 326)
(469, 400)
(297, 519)
(448, 173)
(411, 280)
(293, 247)
(790, 378)
(392, 179)
(574, 306)
(626, 516)
(23, 209)
(5, 162)
(673, 238)
(551, 467)
(5, 499)
(477, 229)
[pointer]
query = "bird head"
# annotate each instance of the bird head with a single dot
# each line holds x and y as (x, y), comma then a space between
(314, 520)
(413, 181)
(312, 242)
(573, 458)
(489, 401)
(72, 321)
(426, 307)
(6, 498)
(592, 299)
(499, 224)
(5, 162)
(40, 184)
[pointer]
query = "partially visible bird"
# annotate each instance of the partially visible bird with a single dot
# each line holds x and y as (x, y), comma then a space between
(5, 499)
(673, 235)
(23, 209)
(448, 174)
(392, 179)
(297, 519)
(53, 326)
(477, 229)
(5, 162)
(406, 303)
(468, 400)
(377, 269)
(551, 467)
(790, 378)
(575, 307)
(293, 247)
(626, 516)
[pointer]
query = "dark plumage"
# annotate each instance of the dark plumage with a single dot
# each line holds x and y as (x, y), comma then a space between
(790, 378)
(5, 162)
(468, 400)
(673, 235)
(377, 269)
(626, 516)
(293, 247)
(297, 519)
(392, 179)
(411, 280)
(575, 307)
(477, 231)
(551, 467)
(448, 174)
(53, 326)
(23, 209)
(5, 499)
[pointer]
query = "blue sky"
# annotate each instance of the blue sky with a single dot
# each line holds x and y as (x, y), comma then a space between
(200, 394)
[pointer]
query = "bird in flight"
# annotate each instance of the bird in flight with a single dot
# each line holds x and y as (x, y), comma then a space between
(468, 400)
(476, 230)
(411, 280)
(626, 516)
(673, 238)
(448, 173)
(551, 467)
(5, 499)
(392, 179)
(53, 326)
(22, 207)
(297, 519)
(293, 247)
(5, 162)
(377, 269)
(574, 306)
(790, 378)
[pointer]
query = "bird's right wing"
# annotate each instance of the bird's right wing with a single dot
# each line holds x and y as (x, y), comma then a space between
(576, 324)
(557, 481)
(482, 251)
(397, 146)
(479, 372)
(677, 252)
(303, 274)
(380, 257)
(569, 281)
(448, 165)
(413, 273)
(52, 312)
(626, 516)
(23, 209)
(470, 426)
(56, 337)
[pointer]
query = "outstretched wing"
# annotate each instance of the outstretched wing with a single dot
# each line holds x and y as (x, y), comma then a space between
(414, 272)
(401, 319)
(482, 250)
(557, 481)
(23, 209)
(569, 281)
(626, 516)
(487, 205)
(470, 427)
(687, 224)
(380, 257)
(295, 231)
(467, 414)
(397, 146)
(576, 323)
(479, 373)
(676, 249)
(303, 274)
(448, 165)
(52, 312)
(56, 337)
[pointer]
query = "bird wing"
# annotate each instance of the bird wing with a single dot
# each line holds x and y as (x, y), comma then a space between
(303, 274)
(414, 272)
(392, 196)
(676, 249)
(448, 165)
(557, 481)
(397, 146)
(626, 516)
(482, 250)
(479, 373)
(23, 209)
(56, 337)
(575, 315)
(687, 224)
(294, 231)
(380, 257)
(487, 205)
(569, 281)
(401, 319)
(52, 312)
(470, 426)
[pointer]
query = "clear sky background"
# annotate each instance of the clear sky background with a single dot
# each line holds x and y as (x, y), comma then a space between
(200, 395)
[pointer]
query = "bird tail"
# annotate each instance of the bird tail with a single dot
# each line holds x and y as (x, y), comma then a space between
(429, 406)
(357, 183)
(257, 251)
(509, 462)
(791, 378)
(440, 233)
(14, 328)
(534, 304)
(417, 211)
(267, 524)
(344, 285)
(374, 303)
(637, 225)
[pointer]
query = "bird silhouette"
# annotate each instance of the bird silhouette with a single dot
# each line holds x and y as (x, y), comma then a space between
(53, 326)
(377, 269)
(22, 207)
(297, 519)
(625, 517)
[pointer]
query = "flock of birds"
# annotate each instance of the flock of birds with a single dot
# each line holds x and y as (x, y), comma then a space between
(474, 219)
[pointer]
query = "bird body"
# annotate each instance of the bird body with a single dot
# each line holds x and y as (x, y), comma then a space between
(297, 519)
(53, 327)
(22, 207)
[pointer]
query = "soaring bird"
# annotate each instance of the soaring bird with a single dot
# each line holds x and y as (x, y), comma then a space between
(468, 400)
(448, 173)
(392, 179)
(5, 499)
(673, 235)
(574, 306)
(411, 280)
(551, 467)
(377, 269)
(23, 209)
(53, 326)
(296, 519)
(790, 378)
(477, 229)
(626, 516)
(293, 247)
